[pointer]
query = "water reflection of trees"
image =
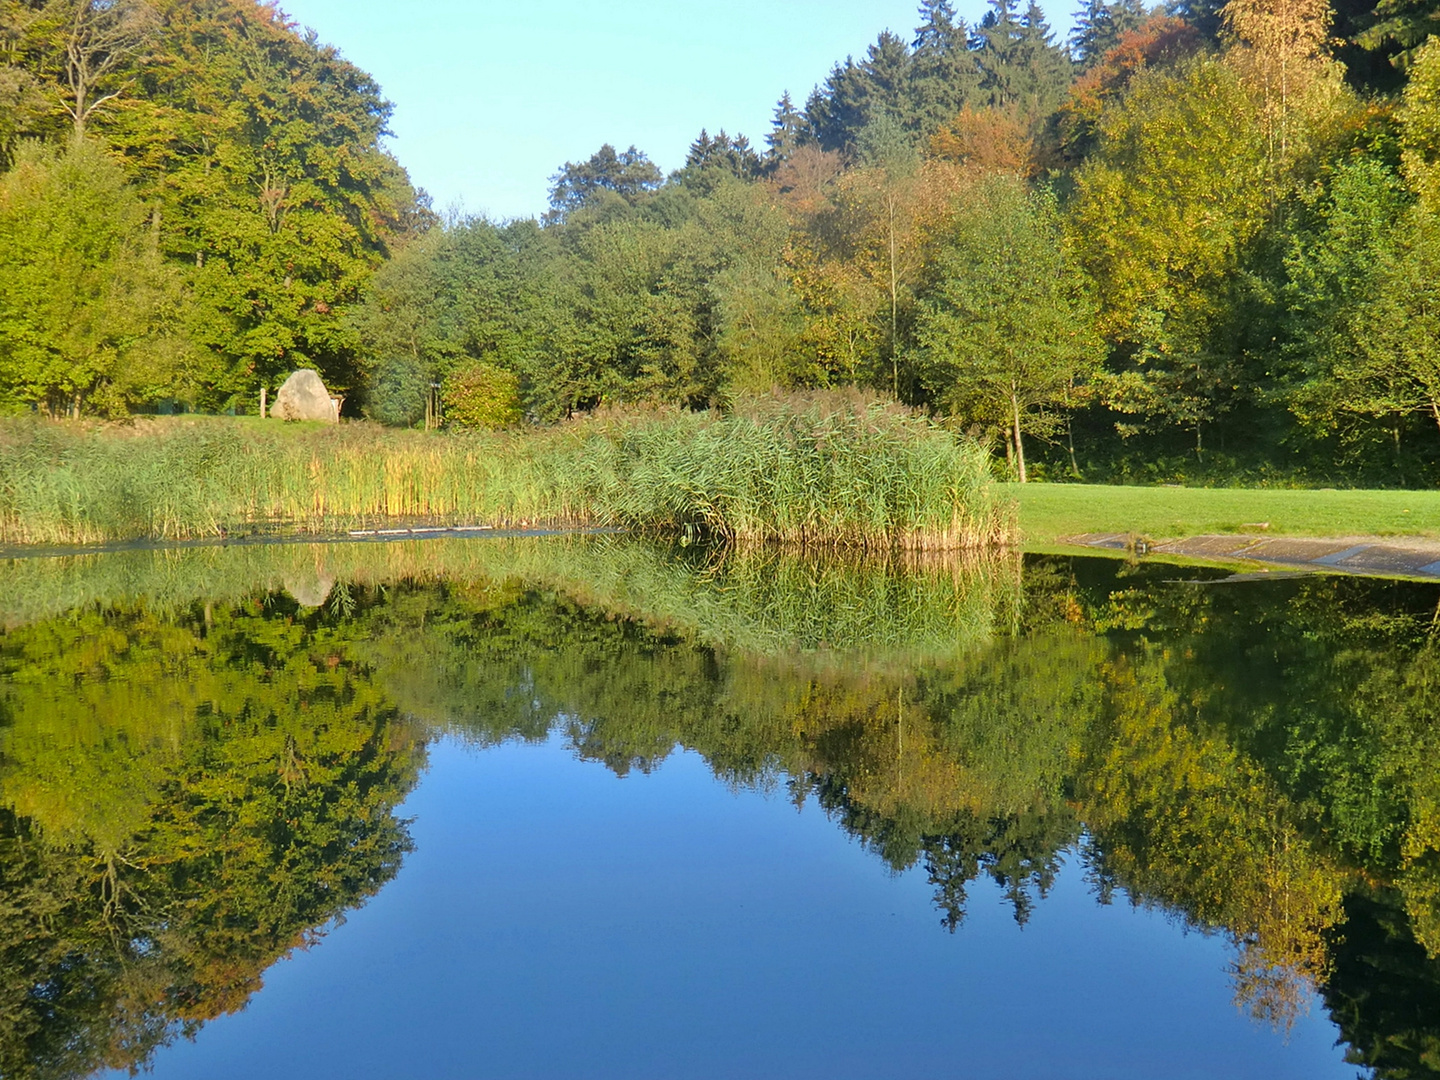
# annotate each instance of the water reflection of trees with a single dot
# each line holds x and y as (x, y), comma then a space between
(1258, 760)
(1251, 758)
(185, 801)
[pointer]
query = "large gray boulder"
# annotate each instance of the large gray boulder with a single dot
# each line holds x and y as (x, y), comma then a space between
(304, 397)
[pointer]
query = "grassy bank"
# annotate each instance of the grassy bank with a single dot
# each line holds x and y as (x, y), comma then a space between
(829, 470)
(1049, 512)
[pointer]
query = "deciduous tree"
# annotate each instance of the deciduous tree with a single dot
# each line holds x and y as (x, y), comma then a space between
(1283, 55)
(82, 288)
(1163, 219)
(629, 175)
(1005, 326)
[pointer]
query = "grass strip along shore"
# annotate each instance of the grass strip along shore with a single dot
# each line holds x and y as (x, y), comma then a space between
(1049, 513)
(835, 469)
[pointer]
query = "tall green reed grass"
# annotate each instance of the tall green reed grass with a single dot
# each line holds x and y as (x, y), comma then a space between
(833, 469)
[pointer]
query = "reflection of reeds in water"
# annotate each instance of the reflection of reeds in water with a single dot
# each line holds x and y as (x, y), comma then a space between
(830, 470)
(764, 600)
(760, 599)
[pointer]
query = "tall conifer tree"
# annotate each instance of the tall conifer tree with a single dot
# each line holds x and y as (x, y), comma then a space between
(1099, 25)
(787, 132)
(944, 77)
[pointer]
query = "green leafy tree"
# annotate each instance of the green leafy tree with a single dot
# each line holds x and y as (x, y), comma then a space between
(629, 176)
(629, 325)
(471, 291)
(1397, 369)
(27, 102)
(1419, 118)
(1005, 325)
(403, 324)
(83, 293)
(262, 148)
(1164, 218)
(1371, 277)
(1346, 231)
(256, 150)
(89, 47)
(749, 310)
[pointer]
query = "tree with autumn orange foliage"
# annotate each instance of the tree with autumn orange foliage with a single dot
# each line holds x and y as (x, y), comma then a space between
(1157, 43)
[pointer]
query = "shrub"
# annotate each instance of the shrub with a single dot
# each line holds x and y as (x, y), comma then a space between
(397, 390)
(482, 396)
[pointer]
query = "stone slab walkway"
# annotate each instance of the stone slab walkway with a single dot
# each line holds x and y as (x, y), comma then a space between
(1397, 556)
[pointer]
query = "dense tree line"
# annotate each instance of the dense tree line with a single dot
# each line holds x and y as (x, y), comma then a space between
(1191, 242)
(195, 193)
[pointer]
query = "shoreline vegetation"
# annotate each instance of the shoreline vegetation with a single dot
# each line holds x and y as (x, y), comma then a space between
(1189, 243)
(828, 470)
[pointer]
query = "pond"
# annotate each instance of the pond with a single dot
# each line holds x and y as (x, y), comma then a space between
(595, 807)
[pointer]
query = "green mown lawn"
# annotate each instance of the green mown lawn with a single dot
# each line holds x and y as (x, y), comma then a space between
(1051, 511)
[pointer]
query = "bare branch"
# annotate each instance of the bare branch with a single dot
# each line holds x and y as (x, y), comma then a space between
(102, 36)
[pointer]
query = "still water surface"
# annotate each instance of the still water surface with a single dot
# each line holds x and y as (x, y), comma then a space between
(594, 808)
(557, 921)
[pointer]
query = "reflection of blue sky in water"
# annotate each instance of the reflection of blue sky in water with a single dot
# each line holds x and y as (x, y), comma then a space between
(556, 921)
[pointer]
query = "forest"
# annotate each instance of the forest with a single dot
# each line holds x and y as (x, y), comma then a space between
(1196, 243)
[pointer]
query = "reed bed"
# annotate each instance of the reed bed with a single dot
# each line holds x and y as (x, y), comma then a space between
(834, 470)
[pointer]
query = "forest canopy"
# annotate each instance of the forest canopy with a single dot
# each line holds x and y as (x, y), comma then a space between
(1192, 242)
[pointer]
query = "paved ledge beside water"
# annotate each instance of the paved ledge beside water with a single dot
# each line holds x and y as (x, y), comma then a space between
(1386, 556)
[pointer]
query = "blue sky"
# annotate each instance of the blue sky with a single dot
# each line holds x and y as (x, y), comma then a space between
(492, 97)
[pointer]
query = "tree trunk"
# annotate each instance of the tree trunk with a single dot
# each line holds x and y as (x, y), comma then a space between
(894, 310)
(1019, 438)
